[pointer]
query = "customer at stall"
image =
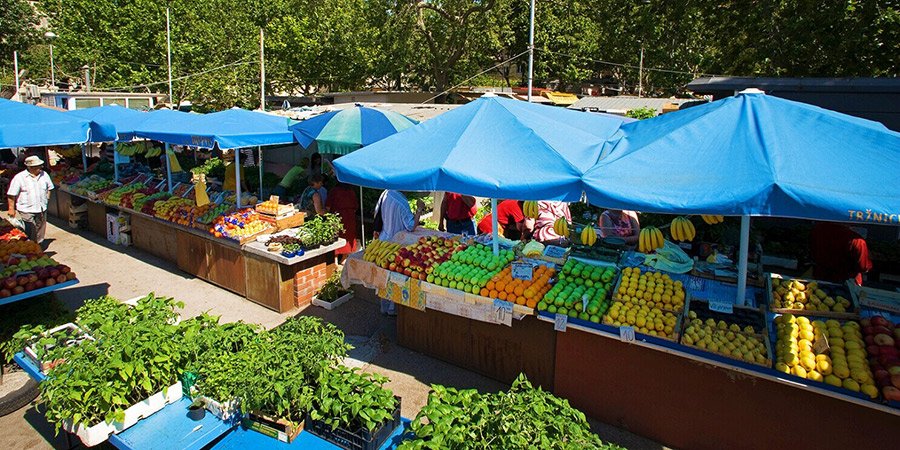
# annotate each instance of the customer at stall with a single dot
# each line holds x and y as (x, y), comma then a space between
(313, 198)
(620, 223)
(457, 214)
(838, 253)
(290, 179)
(342, 199)
(28, 194)
(393, 215)
(510, 219)
(548, 213)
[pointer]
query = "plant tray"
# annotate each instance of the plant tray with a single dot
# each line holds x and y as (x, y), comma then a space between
(280, 429)
(44, 366)
(832, 289)
(223, 410)
(332, 305)
(100, 432)
(361, 439)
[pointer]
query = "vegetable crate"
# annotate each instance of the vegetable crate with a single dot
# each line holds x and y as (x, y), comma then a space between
(831, 289)
(361, 439)
(281, 429)
(740, 316)
(67, 334)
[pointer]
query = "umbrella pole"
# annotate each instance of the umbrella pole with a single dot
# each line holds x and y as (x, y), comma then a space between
(362, 222)
(237, 178)
(494, 232)
(115, 161)
(742, 261)
(259, 155)
(168, 169)
(83, 157)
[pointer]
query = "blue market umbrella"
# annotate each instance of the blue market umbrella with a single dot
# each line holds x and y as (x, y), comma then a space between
(24, 125)
(491, 147)
(341, 132)
(108, 122)
(752, 155)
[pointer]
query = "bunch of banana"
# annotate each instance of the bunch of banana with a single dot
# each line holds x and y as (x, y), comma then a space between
(530, 209)
(588, 236)
(682, 229)
(561, 227)
(379, 251)
(129, 149)
(650, 239)
(69, 152)
(712, 220)
(153, 152)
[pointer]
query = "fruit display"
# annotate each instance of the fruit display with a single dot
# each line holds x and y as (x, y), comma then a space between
(712, 220)
(11, 233)
(823, 351)
(272, 207)
(530, 209)
(422, 258)
(130, 149)
(15, 265)
(650, 238)
(682, 229)
(583, 291)
(114, 197)
(588, 236)
(380, 252)
(138, 203)
(238, 225)
(790, 295)
(521, 292)
(882, 340)
(210, 212)
(470, 269)
(651, 302)
(91, 185)
(19, 247)
(739, 335)
(39, 277)
(166, 209)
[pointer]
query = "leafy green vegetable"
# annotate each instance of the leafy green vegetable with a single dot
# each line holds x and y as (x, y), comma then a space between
(352, 400)
(331, 290)
(320, 230)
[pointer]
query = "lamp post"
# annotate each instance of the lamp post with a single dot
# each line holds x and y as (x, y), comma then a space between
(50, 37)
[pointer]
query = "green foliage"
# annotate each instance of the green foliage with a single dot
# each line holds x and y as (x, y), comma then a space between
(350, 399)
(522, 417)
(331, 290)
(322, 229)
(21, 320)
(641, 113)
(212, 167)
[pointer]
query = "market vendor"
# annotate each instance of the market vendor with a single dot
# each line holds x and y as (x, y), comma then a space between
(548, 213)
(838, 253)
(510, 219)
(291, 178)
(457, 214)
(313, 198)
(393, 215)
(342, 199)
(229, 184)
(620, 223)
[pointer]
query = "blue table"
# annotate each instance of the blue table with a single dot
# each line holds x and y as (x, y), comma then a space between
(29, 367)
(170, 428)
(37, 292)
(241, 438)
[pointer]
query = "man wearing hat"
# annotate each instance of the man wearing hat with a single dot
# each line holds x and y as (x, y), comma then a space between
(29, 192)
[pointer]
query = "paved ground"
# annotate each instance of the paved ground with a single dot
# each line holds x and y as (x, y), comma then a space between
(126, 273)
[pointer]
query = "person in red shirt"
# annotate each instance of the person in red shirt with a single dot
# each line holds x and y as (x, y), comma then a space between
(457, 214)
(510, 219)
(838, 253)
(342, 199)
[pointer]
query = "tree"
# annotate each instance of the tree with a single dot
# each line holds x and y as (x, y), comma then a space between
(18, 22)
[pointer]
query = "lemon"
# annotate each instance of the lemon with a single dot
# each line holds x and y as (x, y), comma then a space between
(870, 390)
(822, 357)
(799, 371)
(808, 363)
(851, 385)
(815, 376)
(824, 366)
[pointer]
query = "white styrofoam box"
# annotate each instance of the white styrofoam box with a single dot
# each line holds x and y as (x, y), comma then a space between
(100, 432)
(112, 228)
(223, 410)
(332, 305)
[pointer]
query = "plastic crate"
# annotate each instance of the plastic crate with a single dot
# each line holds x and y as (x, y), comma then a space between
(361, 439)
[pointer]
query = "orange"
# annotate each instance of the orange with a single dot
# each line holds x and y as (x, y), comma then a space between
(502, 295)
(500, 285)
(520, 300)
(510, 288)
(490, 285)
(531, 303)
(485, 292)
(519, 290)
(493, 293)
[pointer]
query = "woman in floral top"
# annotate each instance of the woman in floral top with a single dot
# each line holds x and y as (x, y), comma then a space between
(548, 212)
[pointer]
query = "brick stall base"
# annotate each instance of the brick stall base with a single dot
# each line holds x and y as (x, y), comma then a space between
(310, 276)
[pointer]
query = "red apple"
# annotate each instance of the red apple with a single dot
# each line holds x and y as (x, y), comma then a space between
(22, 281)
(10, 283)
(895, 380)
(69, 276)
(32, 277)
(39, 284)
(873, 350)
(55, 273)
(5, 293)
(879, 321)
(50, 282)
(30, 286)
(18, 290)
(64, 269)
(891, 393)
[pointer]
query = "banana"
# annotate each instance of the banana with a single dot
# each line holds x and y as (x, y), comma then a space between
(561, 227)
(588, 236)
(530, 209)
(660, 240)
(675, 229)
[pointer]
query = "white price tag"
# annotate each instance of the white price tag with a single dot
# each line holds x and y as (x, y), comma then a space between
(626, 334)
(722, 306)
(522, 271)
(560, 322)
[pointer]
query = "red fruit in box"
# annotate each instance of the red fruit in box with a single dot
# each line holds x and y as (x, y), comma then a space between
(879, 321)
(50, 282)
(895, 380)
(873, 350)
(870, 340)
(69, 276)
(22, 281)
(55, 273)
(18, 290)
(882, 330)
(10, 283)
(5, 293)
(30, 286)
(64, 269)
(39, 284)
(61, 279)
(32, 277)
(891, 393)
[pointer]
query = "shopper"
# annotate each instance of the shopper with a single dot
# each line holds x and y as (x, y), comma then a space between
(298, 172)
(838, 253)
(548, 213)
(392, 215)
(29, 192)
(457, 214)
(510, 219)
(342, 199)
(313, 198)
(620, 223)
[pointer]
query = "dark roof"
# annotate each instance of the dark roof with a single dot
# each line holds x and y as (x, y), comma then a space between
(715, 85)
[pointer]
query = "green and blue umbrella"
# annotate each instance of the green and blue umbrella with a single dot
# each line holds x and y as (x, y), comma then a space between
(341, 132)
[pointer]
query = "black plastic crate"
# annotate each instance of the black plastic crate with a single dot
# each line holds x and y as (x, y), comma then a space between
(360, 439)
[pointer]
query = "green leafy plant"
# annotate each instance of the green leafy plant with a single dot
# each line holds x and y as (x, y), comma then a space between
(522, 417)
(350, 399)
(22, 320)
(331, 290)
(213, 167)
(641, 113)
(320, 230)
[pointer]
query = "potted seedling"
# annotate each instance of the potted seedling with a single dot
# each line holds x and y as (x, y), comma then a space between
(197, 409)
(332, 294)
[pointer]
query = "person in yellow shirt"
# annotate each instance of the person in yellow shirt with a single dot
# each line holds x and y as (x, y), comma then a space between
(229, 184)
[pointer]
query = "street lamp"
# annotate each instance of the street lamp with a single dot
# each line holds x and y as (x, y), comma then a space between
(50, 37)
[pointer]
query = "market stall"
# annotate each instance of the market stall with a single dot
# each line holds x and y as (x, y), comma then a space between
(657, 342)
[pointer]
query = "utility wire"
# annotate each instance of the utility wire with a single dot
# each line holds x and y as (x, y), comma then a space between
(628, 66)
(183, 77)
(476, 75)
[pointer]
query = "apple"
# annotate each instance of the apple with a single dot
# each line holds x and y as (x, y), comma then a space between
(32, 277)
(882, 330)
(891, 393)
(879, 321)
(39, 284)
(50, 282)
(895, 380)
(30, 286)
(10, 283)
(894, 370)
(55, 273)
(22, 281)
(865, 322)
(69, 276)
(61, 279)
(873, 350)
(18, 290)
(5, 293)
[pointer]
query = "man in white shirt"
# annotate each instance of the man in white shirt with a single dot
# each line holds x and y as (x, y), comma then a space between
(392, 215)
(29, 192)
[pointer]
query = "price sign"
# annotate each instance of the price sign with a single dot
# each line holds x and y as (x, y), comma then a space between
(821, 345)
(553, 251)
(522, 271)
(503, 311)
(584, 302)
(503, 305)
(626, 334)
(560, 322)
(721, 306)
